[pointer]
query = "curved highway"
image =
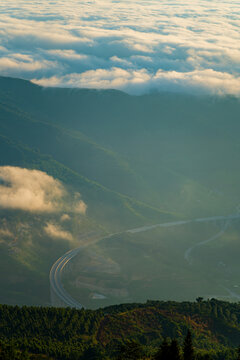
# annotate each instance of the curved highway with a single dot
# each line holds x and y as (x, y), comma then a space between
(55, 279)
(187, 255)
(59, 265)
(56, 271)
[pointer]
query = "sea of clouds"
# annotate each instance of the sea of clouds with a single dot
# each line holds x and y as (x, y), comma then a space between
(133, 45)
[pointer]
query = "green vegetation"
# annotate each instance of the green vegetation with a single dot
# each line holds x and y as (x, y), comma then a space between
(28, 140)
(157, 264)
(154, 330)
(136, 161)
(173, 151)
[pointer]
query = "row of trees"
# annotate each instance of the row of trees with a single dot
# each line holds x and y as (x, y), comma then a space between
(127, 331)
(167, 350)
(131, 350)
(172, 350)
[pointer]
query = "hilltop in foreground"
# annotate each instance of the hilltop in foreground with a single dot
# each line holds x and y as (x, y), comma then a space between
(129, 331)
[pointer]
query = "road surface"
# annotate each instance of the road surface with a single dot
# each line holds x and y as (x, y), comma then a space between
(56, 282)
(187, 255)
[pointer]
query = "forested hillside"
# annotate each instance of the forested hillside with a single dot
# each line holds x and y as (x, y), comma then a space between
(129, 331)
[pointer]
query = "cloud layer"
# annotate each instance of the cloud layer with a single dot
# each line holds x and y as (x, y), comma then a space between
(135, 45)
(35, 191)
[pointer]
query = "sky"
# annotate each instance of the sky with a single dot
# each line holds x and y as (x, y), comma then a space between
(136, 46)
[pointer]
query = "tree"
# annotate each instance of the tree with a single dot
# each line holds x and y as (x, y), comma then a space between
(206, 357)
(164, 351)
(188, 352)
(8, 352)
(92, 353)
(24, 355)
(174, 350)
(132, 350)
(238, 353)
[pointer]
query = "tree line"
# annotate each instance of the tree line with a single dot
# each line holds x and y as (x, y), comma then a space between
(155, 330)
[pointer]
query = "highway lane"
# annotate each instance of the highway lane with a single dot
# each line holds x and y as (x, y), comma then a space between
(59, 265)
(183, 222)
(187, 255)
(232, 293)
(151, 227)
(55, 275)
(55, 279)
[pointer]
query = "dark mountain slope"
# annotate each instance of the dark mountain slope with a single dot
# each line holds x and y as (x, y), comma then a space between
(172, 144)
(135, 160)
(120, 212)
(71, 149)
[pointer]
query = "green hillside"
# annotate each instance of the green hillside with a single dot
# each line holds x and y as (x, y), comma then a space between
(104, 334)
(174, 151)
(71, 150)
(135, 161)
(167, 263)
(83, 166)
(32, 260)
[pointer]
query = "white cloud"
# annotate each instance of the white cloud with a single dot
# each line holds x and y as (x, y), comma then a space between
(30, 190)
(118, 60)
(79, 206)
(13, 65)
(5, 233)
(102, 78)
(142, 81)
(35, 191)
(65, 217)
(56, 232)
(67, 54)
(72, 43)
